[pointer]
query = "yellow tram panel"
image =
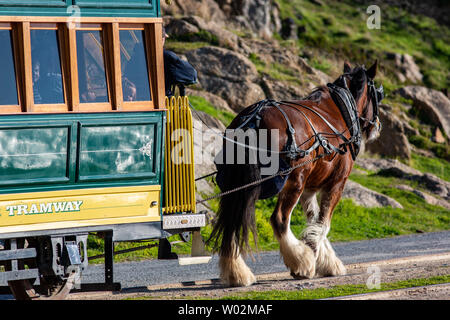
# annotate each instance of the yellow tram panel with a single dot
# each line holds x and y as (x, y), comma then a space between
(179, 179)
(78, 208)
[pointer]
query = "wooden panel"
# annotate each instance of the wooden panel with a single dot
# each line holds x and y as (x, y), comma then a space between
(117, 69)
(74, 101)
(27, 66)
(156, 63)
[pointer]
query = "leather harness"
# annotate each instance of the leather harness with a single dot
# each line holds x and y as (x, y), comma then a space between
(346, 103)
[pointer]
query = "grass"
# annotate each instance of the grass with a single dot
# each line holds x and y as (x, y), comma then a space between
(275, 70)
(203, 105)
(335, 291)
(339, 27)
(438, 167)
(321, 293)
(183, 46)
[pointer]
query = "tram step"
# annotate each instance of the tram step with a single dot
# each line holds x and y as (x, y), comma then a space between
(193, 260)
(18, 275)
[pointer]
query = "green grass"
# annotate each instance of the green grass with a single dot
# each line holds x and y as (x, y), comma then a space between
(203, 105)
(321, 293)
(339, 28)
(335, 291)
(438, 167)
(275, 70)
(184, 46)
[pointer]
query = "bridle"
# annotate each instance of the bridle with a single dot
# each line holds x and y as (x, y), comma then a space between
(344, 99)
(375, 96)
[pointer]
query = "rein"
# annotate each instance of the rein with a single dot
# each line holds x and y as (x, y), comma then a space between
(346, 103)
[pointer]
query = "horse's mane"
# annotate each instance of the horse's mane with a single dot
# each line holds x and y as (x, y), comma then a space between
(316, 94)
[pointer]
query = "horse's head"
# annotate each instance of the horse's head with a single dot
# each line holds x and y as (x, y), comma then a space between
(367, 97)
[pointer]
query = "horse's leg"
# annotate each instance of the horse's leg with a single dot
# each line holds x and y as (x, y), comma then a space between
(234, 271)
(297, 256)
(315, 234)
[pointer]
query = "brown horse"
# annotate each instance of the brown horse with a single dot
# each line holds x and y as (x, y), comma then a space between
(312, 254)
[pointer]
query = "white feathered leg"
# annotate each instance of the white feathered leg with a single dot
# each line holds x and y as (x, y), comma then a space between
(327, 263)
(234, 272)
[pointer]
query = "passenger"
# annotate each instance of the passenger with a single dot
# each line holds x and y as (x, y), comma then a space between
(36, 82)
(129, 90)
(135, 77)
(47, 87)
(177, 72)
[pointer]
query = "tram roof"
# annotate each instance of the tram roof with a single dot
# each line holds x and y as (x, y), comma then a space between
(83, 8)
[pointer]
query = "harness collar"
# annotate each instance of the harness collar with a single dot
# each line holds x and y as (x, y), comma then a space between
(347, 106)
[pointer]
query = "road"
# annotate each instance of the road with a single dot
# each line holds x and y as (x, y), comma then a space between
(153, 272)
(147, 273)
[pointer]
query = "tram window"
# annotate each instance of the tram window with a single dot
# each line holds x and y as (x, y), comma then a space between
(8, 86)
(46, 64)
(135, 80)
(91, 67)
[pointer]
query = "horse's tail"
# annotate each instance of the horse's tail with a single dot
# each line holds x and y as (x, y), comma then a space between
(236, 214)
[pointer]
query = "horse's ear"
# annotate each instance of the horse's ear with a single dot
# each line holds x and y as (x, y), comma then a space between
(347, 67)
(372, 72)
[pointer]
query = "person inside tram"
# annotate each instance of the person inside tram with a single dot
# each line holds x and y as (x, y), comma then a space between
(129, 90)
(36, 69)
(47, 87)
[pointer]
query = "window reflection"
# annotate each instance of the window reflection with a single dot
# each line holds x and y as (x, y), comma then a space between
(135, 81)
(8, 86)
(46, 64)
(91, 67)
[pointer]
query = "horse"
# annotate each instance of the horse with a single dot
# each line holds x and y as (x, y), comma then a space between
(305, 123)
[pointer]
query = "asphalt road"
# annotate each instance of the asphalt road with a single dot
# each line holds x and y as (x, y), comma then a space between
(152, 272)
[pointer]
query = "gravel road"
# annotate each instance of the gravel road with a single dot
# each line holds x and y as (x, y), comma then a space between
(153, 272)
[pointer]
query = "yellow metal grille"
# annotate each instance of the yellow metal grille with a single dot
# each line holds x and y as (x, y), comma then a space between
(179, 184)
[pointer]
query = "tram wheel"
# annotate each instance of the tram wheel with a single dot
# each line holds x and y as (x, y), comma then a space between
(52, 287)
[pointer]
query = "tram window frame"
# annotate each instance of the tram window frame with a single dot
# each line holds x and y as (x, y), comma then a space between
(105, 35)
(21, 27)
(14, 108)
(142, 104)
(52, 107)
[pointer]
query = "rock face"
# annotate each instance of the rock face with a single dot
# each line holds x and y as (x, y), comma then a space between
(393, 168)
(207, 9)
(227, 74)
(408, 70)
(431, 103)
(366, 197)
(207, 141)
(392, 141)
(260, 16)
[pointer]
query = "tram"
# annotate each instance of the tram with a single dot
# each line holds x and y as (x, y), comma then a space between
(86, 140)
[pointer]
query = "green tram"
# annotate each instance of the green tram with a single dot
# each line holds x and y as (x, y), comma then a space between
(85, 140)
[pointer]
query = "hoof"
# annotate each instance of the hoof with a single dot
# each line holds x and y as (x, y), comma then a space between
(235, 273)
(299, 276)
